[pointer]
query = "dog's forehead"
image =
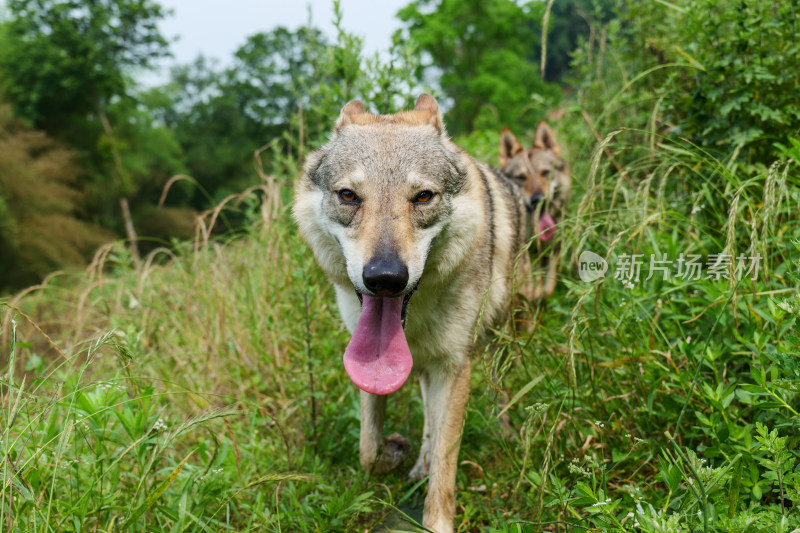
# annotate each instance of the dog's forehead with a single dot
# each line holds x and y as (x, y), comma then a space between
(520, 164)
(542, 159)
(359, 152)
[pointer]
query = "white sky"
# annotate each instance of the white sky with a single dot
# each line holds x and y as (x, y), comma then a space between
(216, 28)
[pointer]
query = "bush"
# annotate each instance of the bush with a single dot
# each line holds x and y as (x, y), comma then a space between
(40, 228)
(721, 73)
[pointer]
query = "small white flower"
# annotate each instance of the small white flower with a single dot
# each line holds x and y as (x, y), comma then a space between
(600, 504)
(697, 208)
(160, 425)
(599, 424)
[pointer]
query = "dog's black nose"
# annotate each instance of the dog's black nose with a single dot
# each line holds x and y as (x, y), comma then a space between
(385, 276)
(536, 198)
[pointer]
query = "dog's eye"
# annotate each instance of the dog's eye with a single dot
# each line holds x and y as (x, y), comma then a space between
(424, 197)
(545, 173)
(347, 196)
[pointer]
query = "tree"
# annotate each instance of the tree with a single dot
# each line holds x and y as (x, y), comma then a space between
(285, 85)
(220, 117)
(486, 54)
(570, 20)
(215, 137)
(64, 64)
(67, 59)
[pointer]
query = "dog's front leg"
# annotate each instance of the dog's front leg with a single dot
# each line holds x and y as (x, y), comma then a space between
(422, 466)
(549, 284)
(446, 399)
(546, 283)
(378, 455)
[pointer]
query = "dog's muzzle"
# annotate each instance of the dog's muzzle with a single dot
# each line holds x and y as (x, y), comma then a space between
(533, 201)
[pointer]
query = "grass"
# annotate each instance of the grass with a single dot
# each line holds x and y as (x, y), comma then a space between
(203, 389)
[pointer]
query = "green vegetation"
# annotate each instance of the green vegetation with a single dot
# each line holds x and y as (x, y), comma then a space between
(486, 54)
(39, 230)
(201, 388)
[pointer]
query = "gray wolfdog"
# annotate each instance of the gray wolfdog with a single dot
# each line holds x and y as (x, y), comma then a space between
(544, 178)
(420, 242)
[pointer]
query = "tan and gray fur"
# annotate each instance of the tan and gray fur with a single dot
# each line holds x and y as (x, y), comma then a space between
(460, 249)
(543, 175)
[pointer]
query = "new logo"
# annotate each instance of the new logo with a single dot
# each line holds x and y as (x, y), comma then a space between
(591, 266)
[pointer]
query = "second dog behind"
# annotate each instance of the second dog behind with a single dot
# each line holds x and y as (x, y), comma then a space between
(543, 176)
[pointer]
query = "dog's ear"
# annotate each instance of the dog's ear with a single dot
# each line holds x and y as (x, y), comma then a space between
(426, 105)
(509, 146)
(545, 138)
(351, 109)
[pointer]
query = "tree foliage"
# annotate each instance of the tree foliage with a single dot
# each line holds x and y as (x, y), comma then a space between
(63, 58)
(284, 89)
(723, 73)
(221, 116)
(487, 58)
(569, 23)
(745, 91)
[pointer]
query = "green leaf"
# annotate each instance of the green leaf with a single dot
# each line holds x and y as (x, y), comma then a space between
(758, 374)
(673, 478)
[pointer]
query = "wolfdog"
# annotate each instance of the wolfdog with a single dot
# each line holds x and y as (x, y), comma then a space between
(420, 242)
(544, 178)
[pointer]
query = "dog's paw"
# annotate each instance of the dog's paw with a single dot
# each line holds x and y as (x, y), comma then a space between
(394, 451)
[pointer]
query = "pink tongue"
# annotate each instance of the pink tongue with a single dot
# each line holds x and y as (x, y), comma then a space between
(547, 227)
(378, 359)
